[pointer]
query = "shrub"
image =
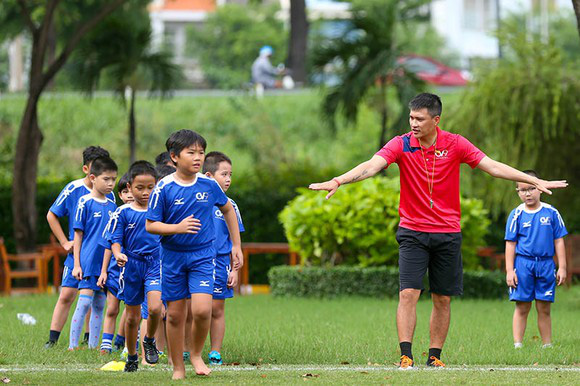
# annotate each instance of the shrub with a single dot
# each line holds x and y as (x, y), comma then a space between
(369, 281)
(358, 225)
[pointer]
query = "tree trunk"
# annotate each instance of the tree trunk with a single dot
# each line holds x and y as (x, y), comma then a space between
(383, 138)
(576, 5)
(298, 40)
(132, 128)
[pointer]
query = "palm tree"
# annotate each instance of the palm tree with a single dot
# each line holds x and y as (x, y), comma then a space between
(119, 51)
(366, 58)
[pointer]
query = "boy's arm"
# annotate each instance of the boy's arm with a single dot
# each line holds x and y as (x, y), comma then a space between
(77, 243)
(561, 255)
(232, 222)
(501, 170)
(358, 173)
(187, 225)
(106, 260)
(56, 229)
(120, 257)
(510, 255)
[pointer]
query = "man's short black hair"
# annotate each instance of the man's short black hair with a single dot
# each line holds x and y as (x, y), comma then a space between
(91, 153)
(532, 173)
(101, 165)
(431, 102)
(213, 160)
(140, 168)
(163, 158)
(122, 184)
(184, 138)
(164, 170)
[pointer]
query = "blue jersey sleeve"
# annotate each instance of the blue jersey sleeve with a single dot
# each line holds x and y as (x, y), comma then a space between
(512, 225)
(239, 216)
(115, 228)
(558, 225)
(60, 205)
(155, 210)
(80, 218)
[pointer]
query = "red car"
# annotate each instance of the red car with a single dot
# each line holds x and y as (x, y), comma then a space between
(432, 71)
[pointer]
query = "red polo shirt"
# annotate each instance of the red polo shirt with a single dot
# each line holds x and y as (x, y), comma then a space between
(414, 206)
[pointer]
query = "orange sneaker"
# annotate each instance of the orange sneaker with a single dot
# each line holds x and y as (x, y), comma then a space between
(435, 362)
(406, 363)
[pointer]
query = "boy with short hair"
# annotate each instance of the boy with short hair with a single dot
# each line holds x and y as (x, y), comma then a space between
(163, 159)
(219, 167)
(180, 210)
(140, 276)
(65, 206)
(91, 218)
(109, 280)
(534, 231)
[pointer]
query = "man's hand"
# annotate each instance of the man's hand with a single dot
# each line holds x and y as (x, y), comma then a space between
(102, 280)
(188, 225)
(561, 275)
(233, 279)
(121, 259)
(330, 186)
(545, 186)
(237, 258)
(67, 246)
(77, 273)
(511, 279)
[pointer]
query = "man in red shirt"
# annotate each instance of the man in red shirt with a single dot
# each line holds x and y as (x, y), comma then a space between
(429, 233)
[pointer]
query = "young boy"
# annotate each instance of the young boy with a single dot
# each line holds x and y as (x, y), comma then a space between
(534, 230)
(92, 215)
(180, 210)
(66, 206)
(109, 280)
(139, 258)
(219, 167)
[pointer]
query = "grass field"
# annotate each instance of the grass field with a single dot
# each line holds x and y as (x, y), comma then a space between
(344, 341)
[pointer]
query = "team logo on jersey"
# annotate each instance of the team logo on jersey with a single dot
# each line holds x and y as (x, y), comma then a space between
(202, 196)
(97, 214)
(179, 201)
(219, 214)
(527, 224)
(441, 153)
(204, 283)
(545, 220)
(131, 225)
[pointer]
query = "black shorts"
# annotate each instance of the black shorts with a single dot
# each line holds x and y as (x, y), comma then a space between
(438, 252)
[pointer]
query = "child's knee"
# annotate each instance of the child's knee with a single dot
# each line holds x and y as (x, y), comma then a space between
(523, 308)
(543, 308)
(202, 312)
(217, 311)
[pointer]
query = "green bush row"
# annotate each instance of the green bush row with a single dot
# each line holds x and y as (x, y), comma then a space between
(369, 281)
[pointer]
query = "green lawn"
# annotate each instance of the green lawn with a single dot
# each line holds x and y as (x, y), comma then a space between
(348, 340)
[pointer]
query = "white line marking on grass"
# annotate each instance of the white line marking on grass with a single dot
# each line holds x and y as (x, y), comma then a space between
(345, 368)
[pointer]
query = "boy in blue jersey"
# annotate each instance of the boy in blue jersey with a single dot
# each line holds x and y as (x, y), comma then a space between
(109, 280)
(180, 210)
(91, 218)
(219, 167)
(140, 276)
(534, 231)
(66, 206)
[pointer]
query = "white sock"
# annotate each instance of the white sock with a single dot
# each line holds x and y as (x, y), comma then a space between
(518, 345)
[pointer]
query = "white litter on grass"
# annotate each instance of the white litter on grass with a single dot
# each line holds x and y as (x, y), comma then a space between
(26, 319)
(301, 368)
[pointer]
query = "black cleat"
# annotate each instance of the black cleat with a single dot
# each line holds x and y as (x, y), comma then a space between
(151, 353)
(49, 344)
(131, 366)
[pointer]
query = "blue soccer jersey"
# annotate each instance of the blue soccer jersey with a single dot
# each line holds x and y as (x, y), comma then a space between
(173, 201)
(223, 243)
(127, 228)
(535, 231)
(92, 216)
(66, 205)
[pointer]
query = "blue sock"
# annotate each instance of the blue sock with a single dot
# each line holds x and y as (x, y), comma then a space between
(120, 341)
(78, 320)
(96, 321)
(107, 342)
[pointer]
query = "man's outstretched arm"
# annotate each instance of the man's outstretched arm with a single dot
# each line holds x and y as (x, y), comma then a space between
(362, 171)
(501, 170)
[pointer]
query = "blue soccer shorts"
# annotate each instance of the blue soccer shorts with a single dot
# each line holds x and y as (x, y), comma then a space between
(139, 276)
(89, 282)
(184, 273)
(536, 279)
(222, 271)
(112, 284)
(67, 278)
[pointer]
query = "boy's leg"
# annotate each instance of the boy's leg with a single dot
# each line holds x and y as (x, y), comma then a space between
(76, 326)
(110, 322)
(201, 305)
(188, 342)
(544, 321)
(142, 333)
(120, 338)
(154, 305)
(520, 320)
(131, 327)
(218, 324)
(175, 332)
(96, 323)
(60, 314)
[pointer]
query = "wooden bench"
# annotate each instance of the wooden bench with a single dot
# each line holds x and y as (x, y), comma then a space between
(249, 249)
(34, 268)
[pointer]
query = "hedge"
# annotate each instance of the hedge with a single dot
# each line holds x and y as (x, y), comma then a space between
(369, 281)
